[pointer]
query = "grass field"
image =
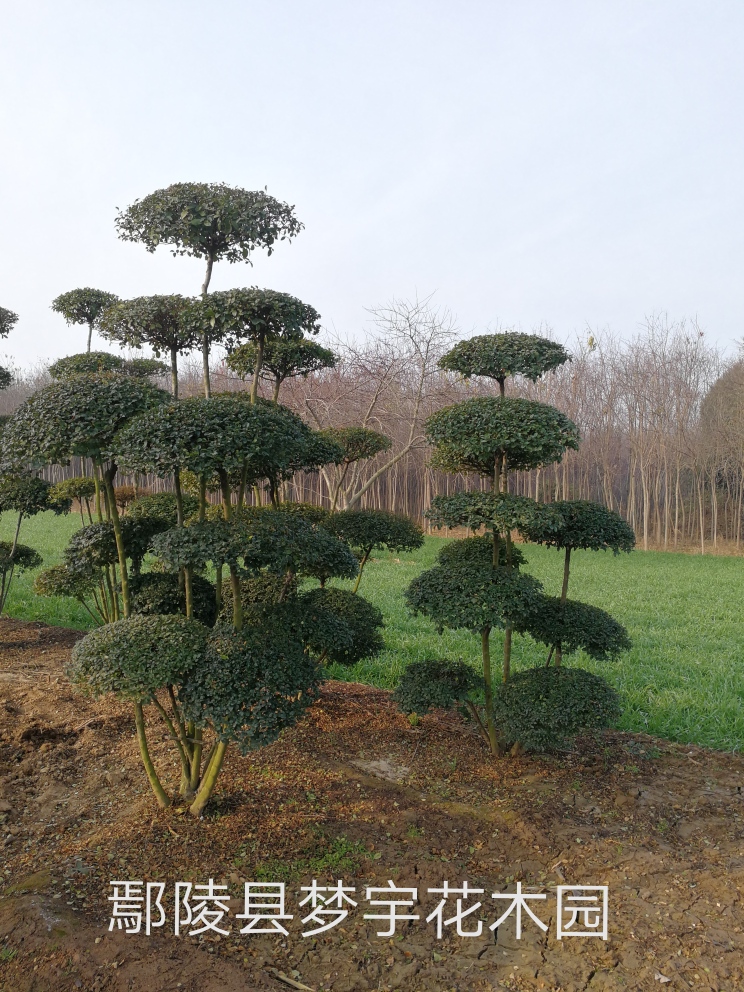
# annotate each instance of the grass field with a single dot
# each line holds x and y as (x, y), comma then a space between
(683, 679)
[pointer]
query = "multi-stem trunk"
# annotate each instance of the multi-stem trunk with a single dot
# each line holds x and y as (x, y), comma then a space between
(205, 332)
(108, 478)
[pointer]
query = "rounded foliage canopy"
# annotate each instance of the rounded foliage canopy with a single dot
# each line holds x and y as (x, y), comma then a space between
(7, 321)
(363, 620)
(252, 684)
(158, 321)
(477, 552)
(208, 220)
(435, 684)
(579, 524)
(283, 358)
(29, 495)
(137, 656)
(160, 593)
(492, 510)
(365, 530)
(221, 434)
(83, 306)
(77, 416)
(86, 363)
(575, 626)
(462, 597)
(542, 708)
(61, 580)
(470, 436)
(163, 506)
(80, 487)
(22, 559)
(357, 442)
(501, 355)
(234, 315)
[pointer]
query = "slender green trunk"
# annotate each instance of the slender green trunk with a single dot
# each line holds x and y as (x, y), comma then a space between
(196, 756)
(97, 484)
(205, 333)
(90, 334)
(564, 596)
(174, 372)
(188, 571)
(507, 653)
(152, 775)
(209, 779)
(362, 563)
(488, 691)
(257, 370)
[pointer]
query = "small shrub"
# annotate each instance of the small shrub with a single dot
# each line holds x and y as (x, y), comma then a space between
(161, 593)
(124, 495)
(435, 684)
(543, 708)
(363, 619)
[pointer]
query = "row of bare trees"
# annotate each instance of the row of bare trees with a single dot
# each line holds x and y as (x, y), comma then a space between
(661, 417)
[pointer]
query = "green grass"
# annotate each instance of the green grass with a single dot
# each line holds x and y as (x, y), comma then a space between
(683, 679)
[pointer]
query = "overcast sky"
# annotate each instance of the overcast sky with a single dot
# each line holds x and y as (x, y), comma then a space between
(569, 162)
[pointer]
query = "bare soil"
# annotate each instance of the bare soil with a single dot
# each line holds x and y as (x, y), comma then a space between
(355, 792)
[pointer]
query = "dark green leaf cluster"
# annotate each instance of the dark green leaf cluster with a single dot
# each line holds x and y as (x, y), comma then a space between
(60, 580)
(143, 368)
(263, 589)
(163, 506)
(477, 553)
(251, 684)
(94, 547)
(576, 626)
(363, 620)
(435, 684)
(221, 434)
(367, 530)
(8, 319)
(283, 358)
(579, 524)
(83, 306)
(310, 512)
(80, 487)
(92, 362)
(466, 598)
(78, 416)
(503, 512)
(135, 657)
(6, 378)
(357, 442)
(23, 559)
(498, 356)
(28, 495)
(234, 315)
(160, 593)
(158, 321)
(208, 220)
(543, 708)
(471, 436)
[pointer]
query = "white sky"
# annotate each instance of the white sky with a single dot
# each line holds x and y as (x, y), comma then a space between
(564, 161)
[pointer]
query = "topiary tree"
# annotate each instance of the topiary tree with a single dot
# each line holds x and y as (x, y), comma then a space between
(83, 306)
(258, 315)
(210, 221)
(362, 619)
(578, 525)
(24, 495)
(280, 359)
(156, 321)
(357, 444)
(492, 436)
(368, 530)
(541, 709)
(81, 416)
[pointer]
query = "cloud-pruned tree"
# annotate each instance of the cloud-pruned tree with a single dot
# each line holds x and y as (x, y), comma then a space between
(83, 306)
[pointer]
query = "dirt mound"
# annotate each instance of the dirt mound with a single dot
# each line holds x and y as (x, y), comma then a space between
(356, 794)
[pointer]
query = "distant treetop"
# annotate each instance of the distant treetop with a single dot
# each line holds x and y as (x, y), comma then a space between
(7, 320)
(83, 306)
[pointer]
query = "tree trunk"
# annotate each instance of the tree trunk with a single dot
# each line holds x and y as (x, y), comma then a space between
(488, 690)
(205, 333)
(174, 373)
(108, 477)
(257, 370)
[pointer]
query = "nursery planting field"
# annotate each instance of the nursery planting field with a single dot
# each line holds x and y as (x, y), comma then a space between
(683, 679)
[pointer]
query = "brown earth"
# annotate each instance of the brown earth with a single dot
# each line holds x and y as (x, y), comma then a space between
(356, 793)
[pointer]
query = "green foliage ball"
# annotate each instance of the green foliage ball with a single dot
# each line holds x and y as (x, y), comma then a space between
(435, 684)
(163, 507)
(579, 524)
(23, 559)
(543, 708)
(498, 356)
(366, 530)
(135, 657)
(362, 618)
(477, 553)
(86, 363)
(576, 626)
(251, 685)
(161, 593)
(357, 443)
